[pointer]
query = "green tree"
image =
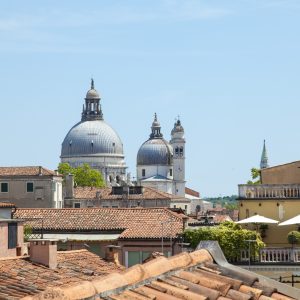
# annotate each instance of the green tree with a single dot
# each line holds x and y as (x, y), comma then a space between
(84, 175)
(231, 237)
(255, 174)
(293, 237)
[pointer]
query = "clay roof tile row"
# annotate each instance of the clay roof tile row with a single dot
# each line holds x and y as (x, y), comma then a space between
(193, 276)
(133, 222)
(25, 171)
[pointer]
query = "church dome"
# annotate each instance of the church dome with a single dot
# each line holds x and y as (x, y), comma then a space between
(92, 94)
(156, 150)
(91, 138)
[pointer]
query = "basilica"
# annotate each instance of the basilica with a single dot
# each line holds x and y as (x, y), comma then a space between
(160, 164)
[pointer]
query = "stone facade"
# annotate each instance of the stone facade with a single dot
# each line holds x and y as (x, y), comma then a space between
(38, 188)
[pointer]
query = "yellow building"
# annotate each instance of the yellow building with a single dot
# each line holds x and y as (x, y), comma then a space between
(278, 197)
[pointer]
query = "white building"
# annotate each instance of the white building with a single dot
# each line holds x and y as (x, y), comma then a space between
(161, 164)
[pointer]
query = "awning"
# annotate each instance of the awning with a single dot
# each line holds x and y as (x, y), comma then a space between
(257, 219)
(292, 221)
(81, 237)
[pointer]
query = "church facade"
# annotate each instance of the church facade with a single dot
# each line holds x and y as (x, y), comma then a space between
(161, 164)
(94, 142)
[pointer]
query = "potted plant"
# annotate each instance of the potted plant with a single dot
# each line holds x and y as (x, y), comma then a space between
(263, 228)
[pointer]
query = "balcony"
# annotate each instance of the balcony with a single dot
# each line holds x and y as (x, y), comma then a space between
(269, 191)
(274, 256)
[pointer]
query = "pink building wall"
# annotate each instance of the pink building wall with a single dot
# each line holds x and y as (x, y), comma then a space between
(4, 251)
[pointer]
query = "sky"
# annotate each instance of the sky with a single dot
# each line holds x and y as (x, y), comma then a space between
(229, 69)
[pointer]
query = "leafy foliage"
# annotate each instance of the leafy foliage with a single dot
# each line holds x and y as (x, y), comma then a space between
(255, 174)
(84, 175)
(27, 232)
(231, 237)
(293, 237)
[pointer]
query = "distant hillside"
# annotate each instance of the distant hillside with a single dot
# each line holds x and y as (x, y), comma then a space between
(226, 201)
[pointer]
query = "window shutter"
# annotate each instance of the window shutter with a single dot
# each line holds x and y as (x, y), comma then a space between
(12, 235)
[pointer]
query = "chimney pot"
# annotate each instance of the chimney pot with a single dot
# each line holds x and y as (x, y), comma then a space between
(112, 254)
(44, 252)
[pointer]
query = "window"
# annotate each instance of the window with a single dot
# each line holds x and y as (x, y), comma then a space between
(12, 235)
(137, 257)
(143, 172)
(4, 187)
(176, 150)
(29, 187)
(185, 207)
(77, 205)
(181, 151)
(171, 172)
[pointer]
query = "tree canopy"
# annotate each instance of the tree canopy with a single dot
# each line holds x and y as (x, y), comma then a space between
(255, 174)
(84, 175)
(231, 237)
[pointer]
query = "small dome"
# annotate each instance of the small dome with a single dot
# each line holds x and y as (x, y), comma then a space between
(177, 127)
(155, 152)
(92, 94)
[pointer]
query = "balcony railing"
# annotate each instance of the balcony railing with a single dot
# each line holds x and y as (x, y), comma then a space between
(267, 191)
(275, 255)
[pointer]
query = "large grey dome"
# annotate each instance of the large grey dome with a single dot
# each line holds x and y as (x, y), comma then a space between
(155, 151)
(91, 138)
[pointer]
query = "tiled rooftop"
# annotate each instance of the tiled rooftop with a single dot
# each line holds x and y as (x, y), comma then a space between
(192, 192)
(7, 205)
(106, 193)
(134, 222)
(193, 276)
(19, 277)
(25, 171)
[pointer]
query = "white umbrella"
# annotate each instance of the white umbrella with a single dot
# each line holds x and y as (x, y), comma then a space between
(292, 221)
(257, 219)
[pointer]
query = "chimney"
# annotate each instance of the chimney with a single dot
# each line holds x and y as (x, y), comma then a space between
(40, 171)
(185, 222)
(44, 252)
(112, 254)
(70, 186)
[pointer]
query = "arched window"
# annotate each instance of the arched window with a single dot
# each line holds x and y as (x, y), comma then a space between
(181, 151)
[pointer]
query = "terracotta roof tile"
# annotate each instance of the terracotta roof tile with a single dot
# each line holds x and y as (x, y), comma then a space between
(184, 276)
(25, 171)
(192, 192)
(133, 222)
(106, 193)
(20, 277)
(7, 205)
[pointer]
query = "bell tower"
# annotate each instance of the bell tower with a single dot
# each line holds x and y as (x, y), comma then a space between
(92, 108)
(178, 144)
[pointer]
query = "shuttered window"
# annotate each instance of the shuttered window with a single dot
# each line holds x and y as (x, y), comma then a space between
(4, 187)
(12, 235)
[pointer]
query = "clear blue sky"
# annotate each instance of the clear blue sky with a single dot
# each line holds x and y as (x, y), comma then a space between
(230, 69)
